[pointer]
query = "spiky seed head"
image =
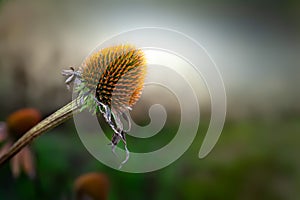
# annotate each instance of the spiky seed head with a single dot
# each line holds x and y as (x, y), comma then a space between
(116, 74)
(110, 81)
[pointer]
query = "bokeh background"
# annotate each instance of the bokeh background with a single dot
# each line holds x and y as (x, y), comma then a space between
(256, 45)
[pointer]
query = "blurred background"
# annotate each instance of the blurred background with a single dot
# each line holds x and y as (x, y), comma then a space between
(255, 44)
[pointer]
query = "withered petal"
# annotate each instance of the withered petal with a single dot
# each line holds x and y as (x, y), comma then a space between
(27, 161)
(16, 164)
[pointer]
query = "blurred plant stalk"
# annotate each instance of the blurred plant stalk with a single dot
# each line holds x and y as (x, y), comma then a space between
(48, 123)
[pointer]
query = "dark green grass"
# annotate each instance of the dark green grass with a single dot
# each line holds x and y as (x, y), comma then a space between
(252, 160)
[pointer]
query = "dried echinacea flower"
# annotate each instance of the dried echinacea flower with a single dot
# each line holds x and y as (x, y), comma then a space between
(110, 81)
(92, 185)
(15, 126)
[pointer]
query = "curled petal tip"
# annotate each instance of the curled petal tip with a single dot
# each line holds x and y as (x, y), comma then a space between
(67, 72)
(69, 79)
(129, 108)
(126, 158)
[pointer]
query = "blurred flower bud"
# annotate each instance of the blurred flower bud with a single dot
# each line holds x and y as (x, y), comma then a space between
(94, 186)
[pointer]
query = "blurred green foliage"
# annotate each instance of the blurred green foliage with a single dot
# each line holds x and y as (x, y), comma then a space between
(252, 160)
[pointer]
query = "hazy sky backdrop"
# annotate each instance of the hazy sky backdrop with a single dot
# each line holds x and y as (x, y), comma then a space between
(255, 44)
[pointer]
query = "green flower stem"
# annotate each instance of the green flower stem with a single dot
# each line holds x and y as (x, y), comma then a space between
(48, 123)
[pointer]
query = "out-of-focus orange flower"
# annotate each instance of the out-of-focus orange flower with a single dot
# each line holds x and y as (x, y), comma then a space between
(15, 126)
(94, 186)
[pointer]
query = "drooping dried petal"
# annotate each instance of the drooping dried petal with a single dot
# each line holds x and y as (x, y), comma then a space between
(16, 164)
(27, 161)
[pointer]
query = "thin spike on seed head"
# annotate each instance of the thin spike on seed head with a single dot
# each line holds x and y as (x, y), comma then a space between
(116, 74)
